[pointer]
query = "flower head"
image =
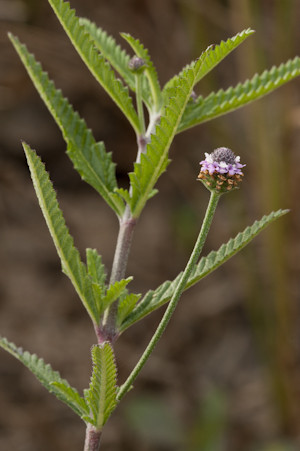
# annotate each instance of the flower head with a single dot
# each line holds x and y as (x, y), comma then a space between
(221, 170)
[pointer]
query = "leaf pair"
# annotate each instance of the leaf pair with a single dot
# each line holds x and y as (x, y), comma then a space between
(89, 158)
(106, 296)
(89, 282)
(100, 398)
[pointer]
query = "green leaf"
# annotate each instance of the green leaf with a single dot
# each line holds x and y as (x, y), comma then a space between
(89, 158)
(69, 255)
(96, 271)
(154, 162)
(126, 306)
(222, 102)
(111, 51)
(212, 56)
(155, 299)
(101, 395)
(114, 291)
(50, 379)
(96, 63)
(150, 70)
(117, 57)
(124, 194)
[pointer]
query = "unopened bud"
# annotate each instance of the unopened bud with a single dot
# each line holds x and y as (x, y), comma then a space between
(137, 65)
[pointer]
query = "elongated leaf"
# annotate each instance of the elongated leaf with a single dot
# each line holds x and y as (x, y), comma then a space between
(155, 299)
(150, 70)
(50, 379)
(101, 395)
(90, 159)
(96, 63)
(96, 271)
(111, 51)
(126, 306)
(69, 255)
(155, 160)
(117, 57)
(222, 102)
(212, 56)
(114, 291)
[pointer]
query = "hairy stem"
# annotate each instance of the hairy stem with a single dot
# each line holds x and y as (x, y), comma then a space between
(214, 198)
(92, 438)
(127, 226)
(142, 147)
(139, 102)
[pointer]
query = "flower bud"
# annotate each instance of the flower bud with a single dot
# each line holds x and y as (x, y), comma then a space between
(221, 171)
(137, 65)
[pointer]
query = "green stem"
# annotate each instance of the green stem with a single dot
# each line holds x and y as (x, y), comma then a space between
(139, 103)
(127, 226)
(214, 198)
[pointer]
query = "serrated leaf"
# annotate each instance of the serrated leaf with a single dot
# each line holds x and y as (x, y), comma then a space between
(69, 255)
(114, 291)
(212, 56)
(111, 51)
(150, 70)
(101, 395)
(124, 194)
(50, 379)
(96, 271)
(116, 56)
(126, 306)
(154, 162)
(89, 158)
(155, 299)
(96, 63)
(222, 102)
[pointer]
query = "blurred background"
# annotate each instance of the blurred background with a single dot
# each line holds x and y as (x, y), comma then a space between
(225, 376)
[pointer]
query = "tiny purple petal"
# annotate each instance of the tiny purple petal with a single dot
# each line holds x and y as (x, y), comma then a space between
(231, 169)
(223, 170)
(212, 167)
(238, 165)
(214, 162)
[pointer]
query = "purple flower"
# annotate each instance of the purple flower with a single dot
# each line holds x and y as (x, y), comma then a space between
(222, 161)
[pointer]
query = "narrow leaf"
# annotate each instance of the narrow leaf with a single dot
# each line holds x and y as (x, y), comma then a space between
(117, 57)
(114, 291)
(89, 158)
(150, 70)
(96, 271)
(111, 51)
(50, 379)
(101, 395)
(206, 265)
(155, 160)
(126, 306)
(96, 63)
(69, 255)
(212, 56)
(222, 102)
